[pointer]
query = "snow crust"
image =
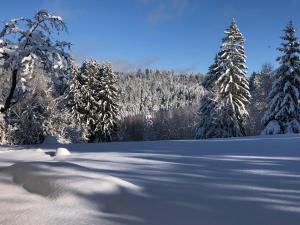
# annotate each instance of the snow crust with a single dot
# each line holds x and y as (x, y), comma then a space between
(247, 181)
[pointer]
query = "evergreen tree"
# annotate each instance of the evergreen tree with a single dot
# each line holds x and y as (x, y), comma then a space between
(213, 74)
(283, 112)
(223, 111)
(210, 113)
(260, 86)
(96, 100)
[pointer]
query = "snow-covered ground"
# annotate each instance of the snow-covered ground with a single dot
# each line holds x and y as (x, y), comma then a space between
(248, 181)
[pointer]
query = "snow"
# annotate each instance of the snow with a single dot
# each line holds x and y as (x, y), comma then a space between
(249, 181)
(62, 152)
(272, 127)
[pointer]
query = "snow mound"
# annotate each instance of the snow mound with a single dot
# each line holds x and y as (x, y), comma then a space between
(62, 152)
(272, 127)
(39, 150)
(55, 179)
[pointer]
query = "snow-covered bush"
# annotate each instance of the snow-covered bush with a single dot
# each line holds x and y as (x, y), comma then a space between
(60, 122)
(24, 120)
(272, 127)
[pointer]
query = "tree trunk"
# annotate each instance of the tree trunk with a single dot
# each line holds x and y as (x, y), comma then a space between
(9, 98)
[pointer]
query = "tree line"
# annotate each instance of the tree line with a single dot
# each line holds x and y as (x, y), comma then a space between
(46, 93)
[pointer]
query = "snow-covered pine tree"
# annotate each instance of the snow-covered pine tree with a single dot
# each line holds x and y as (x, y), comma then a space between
(223, 111)
(209, 125)
(283, 112)
(260, 85)
(210, 113)
(213, 74)
(96, 100)
(110, 106)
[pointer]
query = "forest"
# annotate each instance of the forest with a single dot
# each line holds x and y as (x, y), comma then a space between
(45, 92)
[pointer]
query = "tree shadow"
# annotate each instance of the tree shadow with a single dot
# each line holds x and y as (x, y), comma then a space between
(185, 182)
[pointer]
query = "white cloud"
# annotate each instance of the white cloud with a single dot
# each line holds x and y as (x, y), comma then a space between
(189, 69)
(165, 10)
(124, 65)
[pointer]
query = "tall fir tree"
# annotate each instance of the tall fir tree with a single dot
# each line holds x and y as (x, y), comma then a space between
(283, 112)
(96, 100)
(223, 112)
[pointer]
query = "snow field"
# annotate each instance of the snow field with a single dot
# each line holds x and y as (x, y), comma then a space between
(237, 181)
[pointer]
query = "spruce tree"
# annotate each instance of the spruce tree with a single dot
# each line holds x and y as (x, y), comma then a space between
(211, 116)
(96, 100)
(223, 111)
(283, 112)
(213, 74)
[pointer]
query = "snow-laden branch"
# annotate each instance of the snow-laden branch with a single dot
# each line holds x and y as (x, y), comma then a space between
(29, 42)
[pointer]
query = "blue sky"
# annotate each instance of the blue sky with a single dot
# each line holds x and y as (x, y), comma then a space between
(183, 35)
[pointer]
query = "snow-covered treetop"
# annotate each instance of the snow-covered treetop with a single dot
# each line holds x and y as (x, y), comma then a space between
(231, 59)
(233, 34)
(232, 49)
(24, 39)
(290, 49)
(232, 69)
(29, 42)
